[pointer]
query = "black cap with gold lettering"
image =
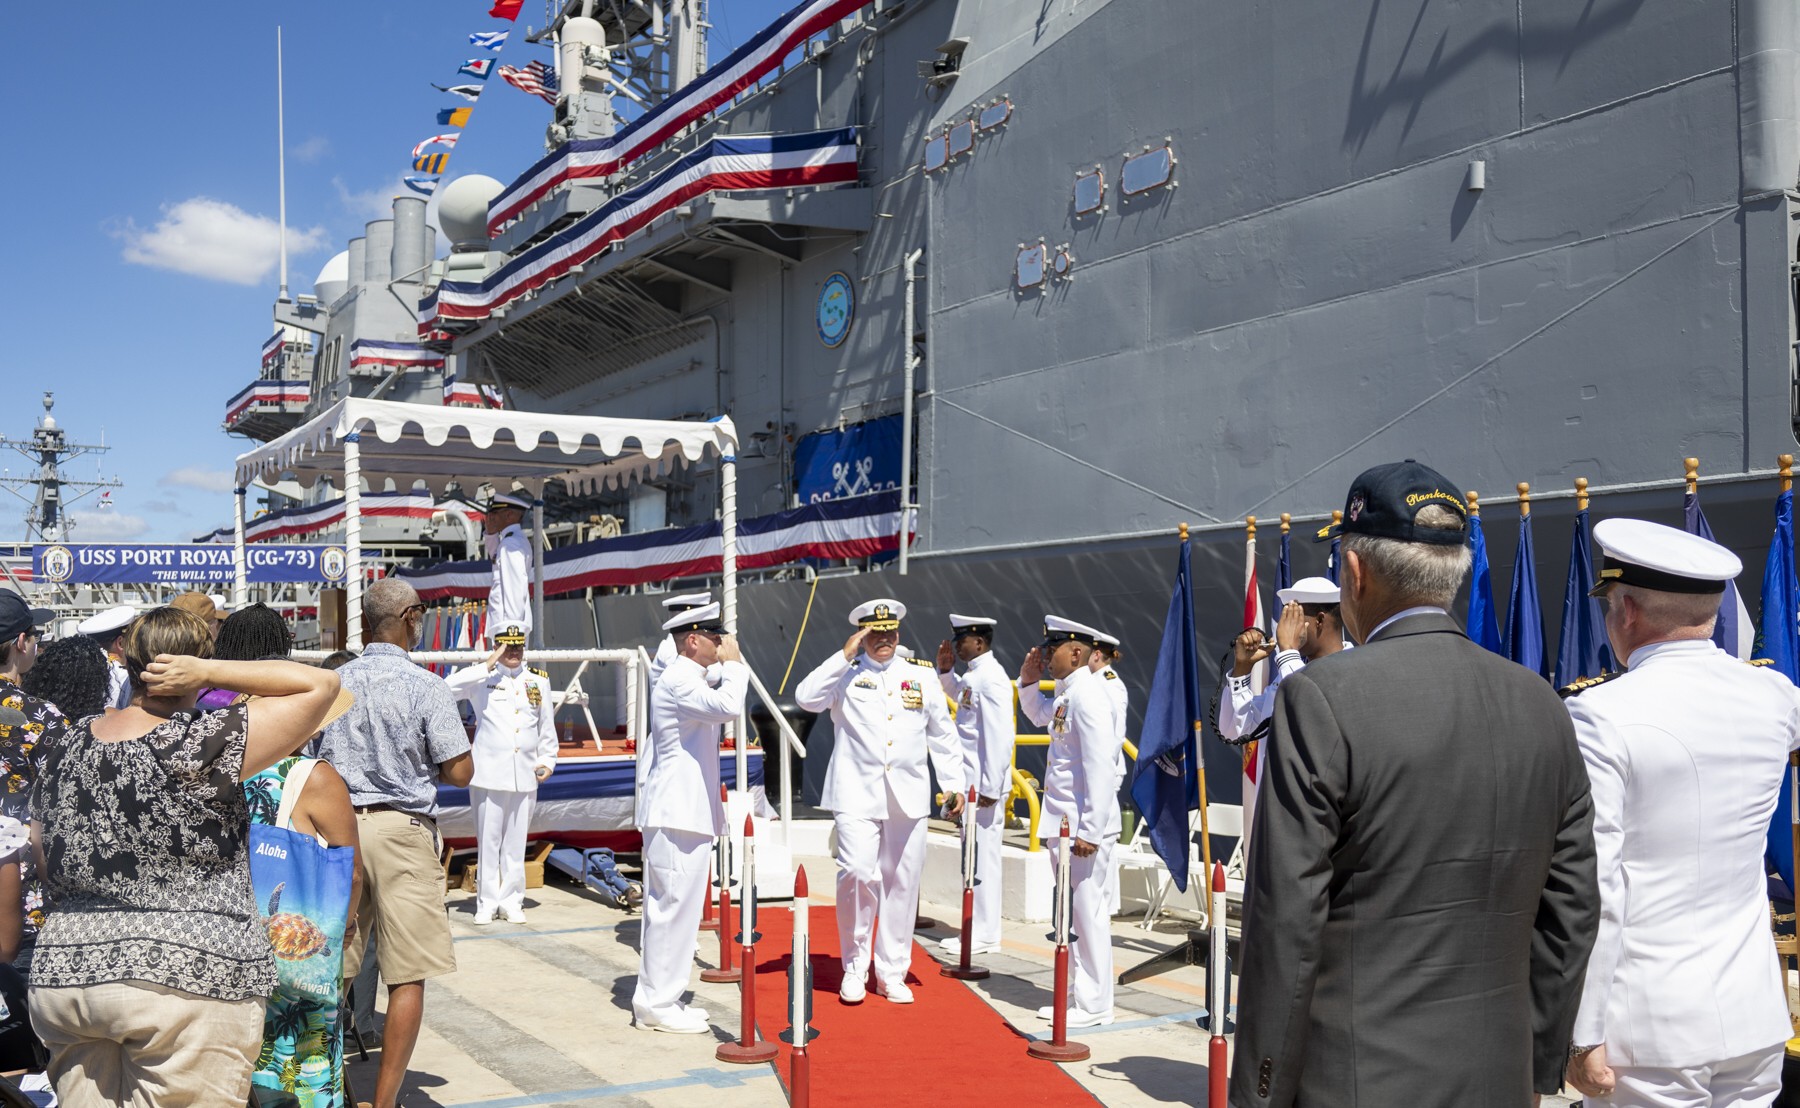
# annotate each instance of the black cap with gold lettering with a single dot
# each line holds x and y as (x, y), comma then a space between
(1385, 500)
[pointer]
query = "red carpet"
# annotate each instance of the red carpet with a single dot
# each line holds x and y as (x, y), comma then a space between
(947, 1046)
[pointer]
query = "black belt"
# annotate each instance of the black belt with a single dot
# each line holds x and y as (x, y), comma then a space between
(365, 809)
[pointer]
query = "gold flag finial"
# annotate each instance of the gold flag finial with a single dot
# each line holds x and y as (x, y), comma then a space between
(1787, 472)
(1250, 525)
(1692, 466)
(1474, 499)
(1183, 532)
(1581, 495)
(1286, 519)
(1524, 499)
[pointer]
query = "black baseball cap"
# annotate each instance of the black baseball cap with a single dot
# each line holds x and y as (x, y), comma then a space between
(1384, 501)
(18, 617)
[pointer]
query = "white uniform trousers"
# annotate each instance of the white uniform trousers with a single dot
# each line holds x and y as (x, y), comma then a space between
(989, 822)
(676, 867)
(501, 821)
(879, 863)
(1090, 917)
(1747, 1081)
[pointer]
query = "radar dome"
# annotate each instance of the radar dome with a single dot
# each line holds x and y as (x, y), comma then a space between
(463, 208)
(334, 279)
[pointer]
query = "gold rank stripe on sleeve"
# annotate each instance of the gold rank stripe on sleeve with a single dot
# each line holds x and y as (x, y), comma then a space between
(1576, 687)
(1759, 661)
(545, 674)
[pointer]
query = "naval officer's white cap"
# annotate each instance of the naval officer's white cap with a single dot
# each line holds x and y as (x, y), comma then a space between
(705, 617)
(1652, 556)
(1310, 590)
(880, 614)
(508, 500)
(972, 625)
(687, 600)
(109, 622)
(1057, 630)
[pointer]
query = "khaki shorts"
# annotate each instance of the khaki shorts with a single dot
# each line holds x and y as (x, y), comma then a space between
(402, 899)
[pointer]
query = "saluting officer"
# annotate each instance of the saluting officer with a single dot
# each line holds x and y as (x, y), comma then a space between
(1310, 628)
(509, 591)
(515, 750)
(680, 813)
(889, 717)
(666, 649)
(986, 725)
(1082, 771)
(1686, 753)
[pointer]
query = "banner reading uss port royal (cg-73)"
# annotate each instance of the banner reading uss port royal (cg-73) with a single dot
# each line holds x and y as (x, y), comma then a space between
(181, 563)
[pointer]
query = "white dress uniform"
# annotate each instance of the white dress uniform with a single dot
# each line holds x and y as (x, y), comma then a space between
(104, 627)
(509, 589)
(889, 717)
(680, 815)
(514, 735)
(987, 728)
(1686, 754)
(1083, 769)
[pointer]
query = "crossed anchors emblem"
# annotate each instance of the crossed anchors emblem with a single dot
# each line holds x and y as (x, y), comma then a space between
(845, 486)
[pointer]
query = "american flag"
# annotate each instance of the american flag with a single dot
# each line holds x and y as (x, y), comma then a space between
(537, 78)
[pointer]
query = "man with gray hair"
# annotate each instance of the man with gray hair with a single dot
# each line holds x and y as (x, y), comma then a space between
(1687, 751)
(1420, 899)
(398, 740)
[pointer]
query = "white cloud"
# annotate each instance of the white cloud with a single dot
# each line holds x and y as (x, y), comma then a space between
(194, 477)
(109, 525)
(209, 238)
(311, 150)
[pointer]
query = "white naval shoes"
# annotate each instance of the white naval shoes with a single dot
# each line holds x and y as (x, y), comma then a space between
(1078, 1018)
(895, 991)
(511, 914)
(681, 1021)
(852, 990)
(953, 947)
(483, 917)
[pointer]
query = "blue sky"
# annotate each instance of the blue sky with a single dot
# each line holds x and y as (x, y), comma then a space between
(143, 193)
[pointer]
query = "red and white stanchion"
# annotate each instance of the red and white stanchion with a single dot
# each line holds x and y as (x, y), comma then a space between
(1218, 1073)
(800, 1031)
(747, 1049)
(962, 971)
(1059, 1048)
(725, 973)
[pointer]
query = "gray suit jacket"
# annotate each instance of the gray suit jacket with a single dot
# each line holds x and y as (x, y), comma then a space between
(1421, 896)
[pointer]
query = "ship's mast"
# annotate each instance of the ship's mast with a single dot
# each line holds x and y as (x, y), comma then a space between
(46, 491)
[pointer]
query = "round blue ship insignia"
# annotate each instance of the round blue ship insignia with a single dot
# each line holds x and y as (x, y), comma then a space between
(837, 307)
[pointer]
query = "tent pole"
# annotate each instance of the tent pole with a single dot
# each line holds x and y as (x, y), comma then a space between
(353, 584)
(240, 589)
(537, 572)
(728, 569)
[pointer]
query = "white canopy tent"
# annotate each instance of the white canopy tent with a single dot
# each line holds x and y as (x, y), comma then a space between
(358, 440)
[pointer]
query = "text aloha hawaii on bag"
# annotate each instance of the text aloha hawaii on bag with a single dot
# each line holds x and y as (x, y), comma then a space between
(302, 889)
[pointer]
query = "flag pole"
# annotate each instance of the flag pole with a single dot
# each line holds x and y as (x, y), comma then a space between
(1200, 769)
(1786, 462)
(281, 165)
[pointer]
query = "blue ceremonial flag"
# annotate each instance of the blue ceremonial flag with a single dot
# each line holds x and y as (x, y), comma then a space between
(1166, 783)
(1484, 627)
(1331, 560)
(1524, 615)
(1778, 639)
(478, 68)
(1583, 650)
(488, 40)
(1284, 570)
(1733, 632)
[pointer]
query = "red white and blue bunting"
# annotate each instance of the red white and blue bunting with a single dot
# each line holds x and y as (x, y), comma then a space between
(267, 392)
(312, 518)
(410, 354)
(479, 396)
(743, 67)
(271, 349)
(722, 164)
(854, 527)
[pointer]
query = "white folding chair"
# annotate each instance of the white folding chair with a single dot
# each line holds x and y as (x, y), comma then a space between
(1224, 821)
